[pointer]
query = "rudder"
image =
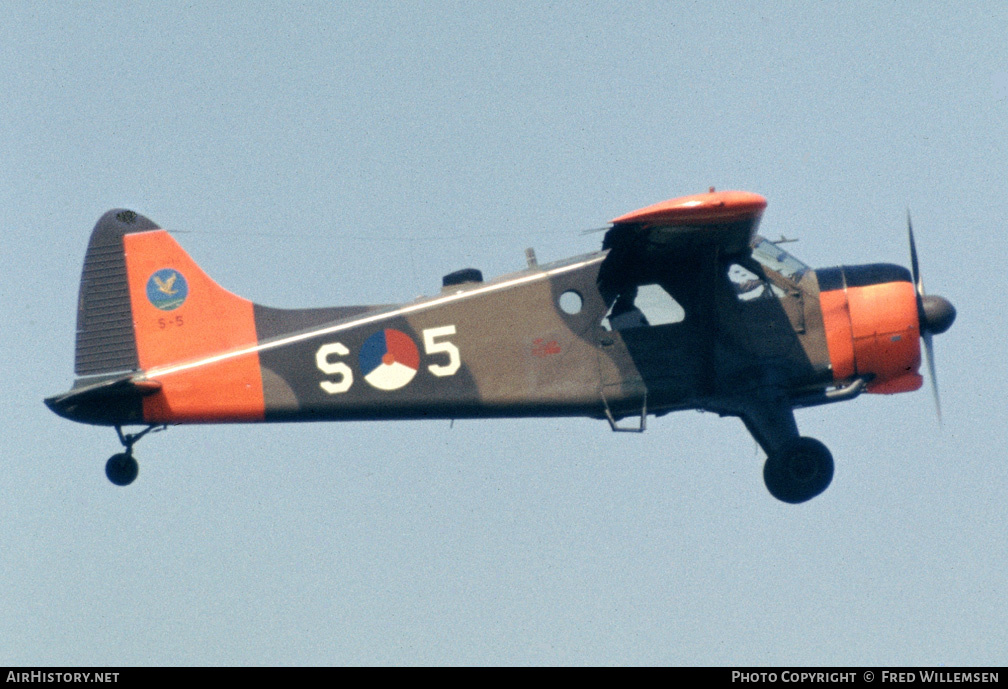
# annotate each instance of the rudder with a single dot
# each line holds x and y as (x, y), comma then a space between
(105, 339)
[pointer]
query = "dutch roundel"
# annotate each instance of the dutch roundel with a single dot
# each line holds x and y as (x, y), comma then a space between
(389, 359)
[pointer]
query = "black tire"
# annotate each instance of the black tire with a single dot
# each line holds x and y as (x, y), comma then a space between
(801, 470)
(122, 469)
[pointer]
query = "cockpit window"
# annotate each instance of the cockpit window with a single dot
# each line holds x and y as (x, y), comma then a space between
(778, 260)
(642, 306)
(749, 286)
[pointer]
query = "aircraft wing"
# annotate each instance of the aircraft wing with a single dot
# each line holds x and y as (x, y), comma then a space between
(688, 231)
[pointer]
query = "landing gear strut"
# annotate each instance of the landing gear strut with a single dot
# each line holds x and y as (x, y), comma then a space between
(800, 470)
(122, 468)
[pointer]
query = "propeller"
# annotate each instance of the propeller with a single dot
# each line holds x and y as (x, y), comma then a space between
(935, 315)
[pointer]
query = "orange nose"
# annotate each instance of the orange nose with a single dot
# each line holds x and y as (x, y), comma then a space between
(870, 316)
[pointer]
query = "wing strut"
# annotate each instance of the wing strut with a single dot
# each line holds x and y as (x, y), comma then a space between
(640, 428)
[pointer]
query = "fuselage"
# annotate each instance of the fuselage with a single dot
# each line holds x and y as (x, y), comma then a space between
(541, 342)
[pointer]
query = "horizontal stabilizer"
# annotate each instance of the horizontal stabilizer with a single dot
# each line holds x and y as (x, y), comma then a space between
(106, 400)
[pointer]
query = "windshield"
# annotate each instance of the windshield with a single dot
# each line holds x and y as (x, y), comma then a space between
(778, 260)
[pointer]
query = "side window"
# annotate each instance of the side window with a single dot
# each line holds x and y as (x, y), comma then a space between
(749, 286)
(639, 307)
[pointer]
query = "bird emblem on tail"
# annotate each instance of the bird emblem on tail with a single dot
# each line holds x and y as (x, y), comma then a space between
(165, 285)
(167, 289)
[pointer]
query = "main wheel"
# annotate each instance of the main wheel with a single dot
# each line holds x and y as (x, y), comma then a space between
(122, 469)
(801, 470)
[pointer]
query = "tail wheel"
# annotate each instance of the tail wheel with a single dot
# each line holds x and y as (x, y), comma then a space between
(122, 469)
(799, 471)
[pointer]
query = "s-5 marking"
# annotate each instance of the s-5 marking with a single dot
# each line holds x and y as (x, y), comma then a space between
(175, 322)
(387, 359)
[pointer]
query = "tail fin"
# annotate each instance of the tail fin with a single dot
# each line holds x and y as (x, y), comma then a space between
(145, 305)
(144, 302)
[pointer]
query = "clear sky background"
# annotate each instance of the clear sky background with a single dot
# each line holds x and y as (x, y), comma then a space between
(326, 153)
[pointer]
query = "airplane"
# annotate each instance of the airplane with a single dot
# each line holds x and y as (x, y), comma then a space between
(684, 307)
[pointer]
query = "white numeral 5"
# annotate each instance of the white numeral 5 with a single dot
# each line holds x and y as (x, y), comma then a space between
(431, 346)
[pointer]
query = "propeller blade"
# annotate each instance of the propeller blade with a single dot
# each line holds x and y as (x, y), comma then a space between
(914, 267)
(929, 354)
(934, 315)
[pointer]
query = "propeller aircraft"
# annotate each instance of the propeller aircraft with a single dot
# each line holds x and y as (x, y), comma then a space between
(685, 307)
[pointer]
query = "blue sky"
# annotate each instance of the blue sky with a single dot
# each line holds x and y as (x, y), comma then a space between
(317, 154)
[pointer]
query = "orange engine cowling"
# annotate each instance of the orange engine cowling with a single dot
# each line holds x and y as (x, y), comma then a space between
(872, 327)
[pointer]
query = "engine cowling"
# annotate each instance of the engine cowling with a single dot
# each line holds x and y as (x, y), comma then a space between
(872, 325)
